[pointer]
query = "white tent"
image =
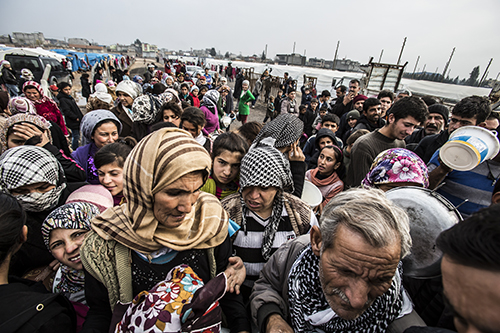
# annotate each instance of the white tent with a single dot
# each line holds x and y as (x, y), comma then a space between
(31, 52)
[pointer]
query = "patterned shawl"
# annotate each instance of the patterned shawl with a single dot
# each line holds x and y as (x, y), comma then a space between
(158, 160)
(36, 120)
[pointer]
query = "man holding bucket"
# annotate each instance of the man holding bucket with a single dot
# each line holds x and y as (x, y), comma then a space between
(476, 183)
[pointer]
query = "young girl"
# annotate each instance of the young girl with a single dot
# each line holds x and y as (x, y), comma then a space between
(325, 176)
(109, 163)
(227, 152)
(270, 112)
(244, 105)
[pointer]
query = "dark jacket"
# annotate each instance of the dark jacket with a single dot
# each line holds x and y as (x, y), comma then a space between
(9, 76)
(339, 108)
(85, 87)
(308, 119)
(58, 138)
(430, 144)
(26, 306)
(238, 85)
(363, 123)
(124, 119)
(71, 111)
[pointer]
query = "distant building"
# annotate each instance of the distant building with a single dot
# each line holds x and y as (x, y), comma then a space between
(291, 59)
(56, 42)
(122, 49)
(34, 38)
(78, 41)
(347, 65)
(149, 50)
(88, 48)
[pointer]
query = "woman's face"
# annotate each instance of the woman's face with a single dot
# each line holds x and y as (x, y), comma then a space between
(125, 99)
(226, 166)
(191, 128)
(170, 116)
(260, 199)
(111, 177)
(169, 82)
(327, 163)
(42, 187)
(244, 87)
(64, 244)
(32, 94)
(15, 140)
(105, 134)
(195, 92)
(176, 200)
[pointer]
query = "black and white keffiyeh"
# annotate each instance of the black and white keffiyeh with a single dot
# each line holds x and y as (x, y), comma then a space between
(26, 165)
(266, 166)
(285, 130)
(306, 299)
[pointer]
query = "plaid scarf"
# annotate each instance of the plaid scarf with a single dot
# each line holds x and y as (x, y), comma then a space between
(306, 299)
(266, 166)
(27, 165)
(285, 130)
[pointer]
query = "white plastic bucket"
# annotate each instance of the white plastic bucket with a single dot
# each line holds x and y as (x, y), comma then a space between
(468, 146)
(311, 194)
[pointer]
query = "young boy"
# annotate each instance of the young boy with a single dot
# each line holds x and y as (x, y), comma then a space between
(329, 121)
(227, 152)
(270, 112)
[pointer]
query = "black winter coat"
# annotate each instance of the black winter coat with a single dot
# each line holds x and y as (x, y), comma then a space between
(71, 111)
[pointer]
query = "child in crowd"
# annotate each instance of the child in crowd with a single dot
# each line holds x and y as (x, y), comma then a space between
(171, 113)
(317, 122)
(307, 118)
(329, 121)
(352, 119)
(227, 152)
(193, 120)
(270, 111)
(246, 98)
(277, 101)
(109, 162)
(349, 144)
(325, 175)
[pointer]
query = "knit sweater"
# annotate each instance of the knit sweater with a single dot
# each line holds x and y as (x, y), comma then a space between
(364, 151)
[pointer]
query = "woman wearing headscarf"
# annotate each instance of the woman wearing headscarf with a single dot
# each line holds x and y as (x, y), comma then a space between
(26, 75)
(25, 306)
(166, 221)
(28, 129)
(397, 167)
(209, 108)
(98, 128)
(36, 179)
(24, 105)
(286, 130)
(126, 91)
(44, 105)
(63, 232)
(267, 214)
(100, 99)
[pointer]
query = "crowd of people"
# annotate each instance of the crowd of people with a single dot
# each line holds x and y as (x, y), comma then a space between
(144, 211)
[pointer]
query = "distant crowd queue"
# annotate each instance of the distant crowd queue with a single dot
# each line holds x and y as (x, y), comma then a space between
(140, 210)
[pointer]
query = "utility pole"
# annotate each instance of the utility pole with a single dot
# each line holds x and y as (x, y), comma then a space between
(335, 57)
(266, 52)
(415, 68)
(380, 58)
(447, 64)
(485, 73)
(423, 71)
(293, 48)
(305, 52)
(401, 53)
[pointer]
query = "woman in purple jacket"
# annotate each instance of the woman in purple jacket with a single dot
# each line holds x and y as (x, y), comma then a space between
(98, 128)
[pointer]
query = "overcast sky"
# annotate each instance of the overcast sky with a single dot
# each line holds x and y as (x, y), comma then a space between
(364, 27)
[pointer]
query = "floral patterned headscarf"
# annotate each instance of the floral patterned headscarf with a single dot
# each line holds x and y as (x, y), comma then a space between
(397, 165)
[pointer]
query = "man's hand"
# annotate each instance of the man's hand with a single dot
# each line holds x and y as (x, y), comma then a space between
(296, 153)
(276, 324)
(236, 274)
(348, 98)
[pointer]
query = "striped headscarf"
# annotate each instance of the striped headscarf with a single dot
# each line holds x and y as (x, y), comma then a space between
(36, 120)
(285, 130)
(21, 105)
(157, 161)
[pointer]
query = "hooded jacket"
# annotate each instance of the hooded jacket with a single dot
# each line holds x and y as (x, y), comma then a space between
(363, 123)
(323, 132)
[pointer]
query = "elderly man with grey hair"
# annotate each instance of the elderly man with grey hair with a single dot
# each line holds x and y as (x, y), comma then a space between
(344, 276)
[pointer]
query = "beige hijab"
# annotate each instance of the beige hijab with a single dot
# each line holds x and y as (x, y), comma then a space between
(157, 161)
